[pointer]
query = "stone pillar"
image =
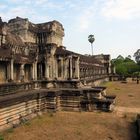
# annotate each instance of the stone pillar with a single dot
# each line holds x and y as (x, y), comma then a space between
(22, 73)
(54, 73)
(66, 68)
(12, 70)
(46, 70)
(56, 69)
(3, 39)
(70, 61)
(77, 68)
(32, 72)
(62, 70)
(114, 70)
(109, 68)
(35, 70)
(40, 71)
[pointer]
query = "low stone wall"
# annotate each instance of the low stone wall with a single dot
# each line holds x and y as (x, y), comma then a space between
(17, 108)
(96, 82)
(9, 88)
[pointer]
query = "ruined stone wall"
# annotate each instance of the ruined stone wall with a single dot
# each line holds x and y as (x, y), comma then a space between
(20, 27)
(51, 32)
(57, 39)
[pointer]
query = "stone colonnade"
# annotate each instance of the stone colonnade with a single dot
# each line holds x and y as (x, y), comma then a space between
(52, 68)
(61, 68)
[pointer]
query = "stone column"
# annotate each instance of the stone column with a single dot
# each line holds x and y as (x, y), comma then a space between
(77, 68)
(56, 69)
(3, 39)
(54, 73)
(70, 61)
(12, 70)
(62, 70)
(22, 73)
(40, 71)
(35, 70)
(114, 70)
(32, 72)
(46, 70)
(66, 68)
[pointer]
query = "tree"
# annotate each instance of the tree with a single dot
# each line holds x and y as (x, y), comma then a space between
(137, 56)
(128, 59)
(125, 66)
(118, 60)
(120, 57)
(121, 70)
(91, 39)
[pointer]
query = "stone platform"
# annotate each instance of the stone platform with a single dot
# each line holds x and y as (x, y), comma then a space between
(17, 107)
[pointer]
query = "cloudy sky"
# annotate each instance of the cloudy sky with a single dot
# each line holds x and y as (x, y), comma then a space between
(115, 23)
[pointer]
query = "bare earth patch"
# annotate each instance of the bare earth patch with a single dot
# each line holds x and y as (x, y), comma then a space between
(128, 95)
(75, 126)
(85, 125)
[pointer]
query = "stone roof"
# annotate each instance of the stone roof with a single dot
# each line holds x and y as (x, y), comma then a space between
(63, 52)
(83, 58)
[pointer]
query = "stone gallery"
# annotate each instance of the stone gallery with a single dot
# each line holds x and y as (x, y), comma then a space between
(38, 74)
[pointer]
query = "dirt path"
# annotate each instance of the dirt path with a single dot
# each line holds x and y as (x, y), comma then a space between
(121, 109)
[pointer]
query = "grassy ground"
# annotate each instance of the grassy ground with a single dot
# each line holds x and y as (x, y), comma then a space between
(84, 125)
(128, 94)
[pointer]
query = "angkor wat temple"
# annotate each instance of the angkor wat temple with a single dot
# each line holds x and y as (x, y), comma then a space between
(37, 73)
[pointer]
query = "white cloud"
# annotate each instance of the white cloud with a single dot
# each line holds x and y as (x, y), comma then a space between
(85, 19)
(121, 9)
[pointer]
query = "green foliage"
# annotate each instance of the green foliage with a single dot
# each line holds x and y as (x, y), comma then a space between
(120, 57)
(125, 66)
(136, 73)
(1, 137)
(91, 38)
(121, 69)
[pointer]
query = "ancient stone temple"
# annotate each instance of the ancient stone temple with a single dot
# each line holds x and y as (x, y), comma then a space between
(38, 73)
(30, 52)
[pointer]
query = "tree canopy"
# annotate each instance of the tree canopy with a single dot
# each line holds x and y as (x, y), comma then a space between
(91, 38)
(125, 66)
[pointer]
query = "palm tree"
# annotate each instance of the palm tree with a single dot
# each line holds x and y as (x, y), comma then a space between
(91, 39)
